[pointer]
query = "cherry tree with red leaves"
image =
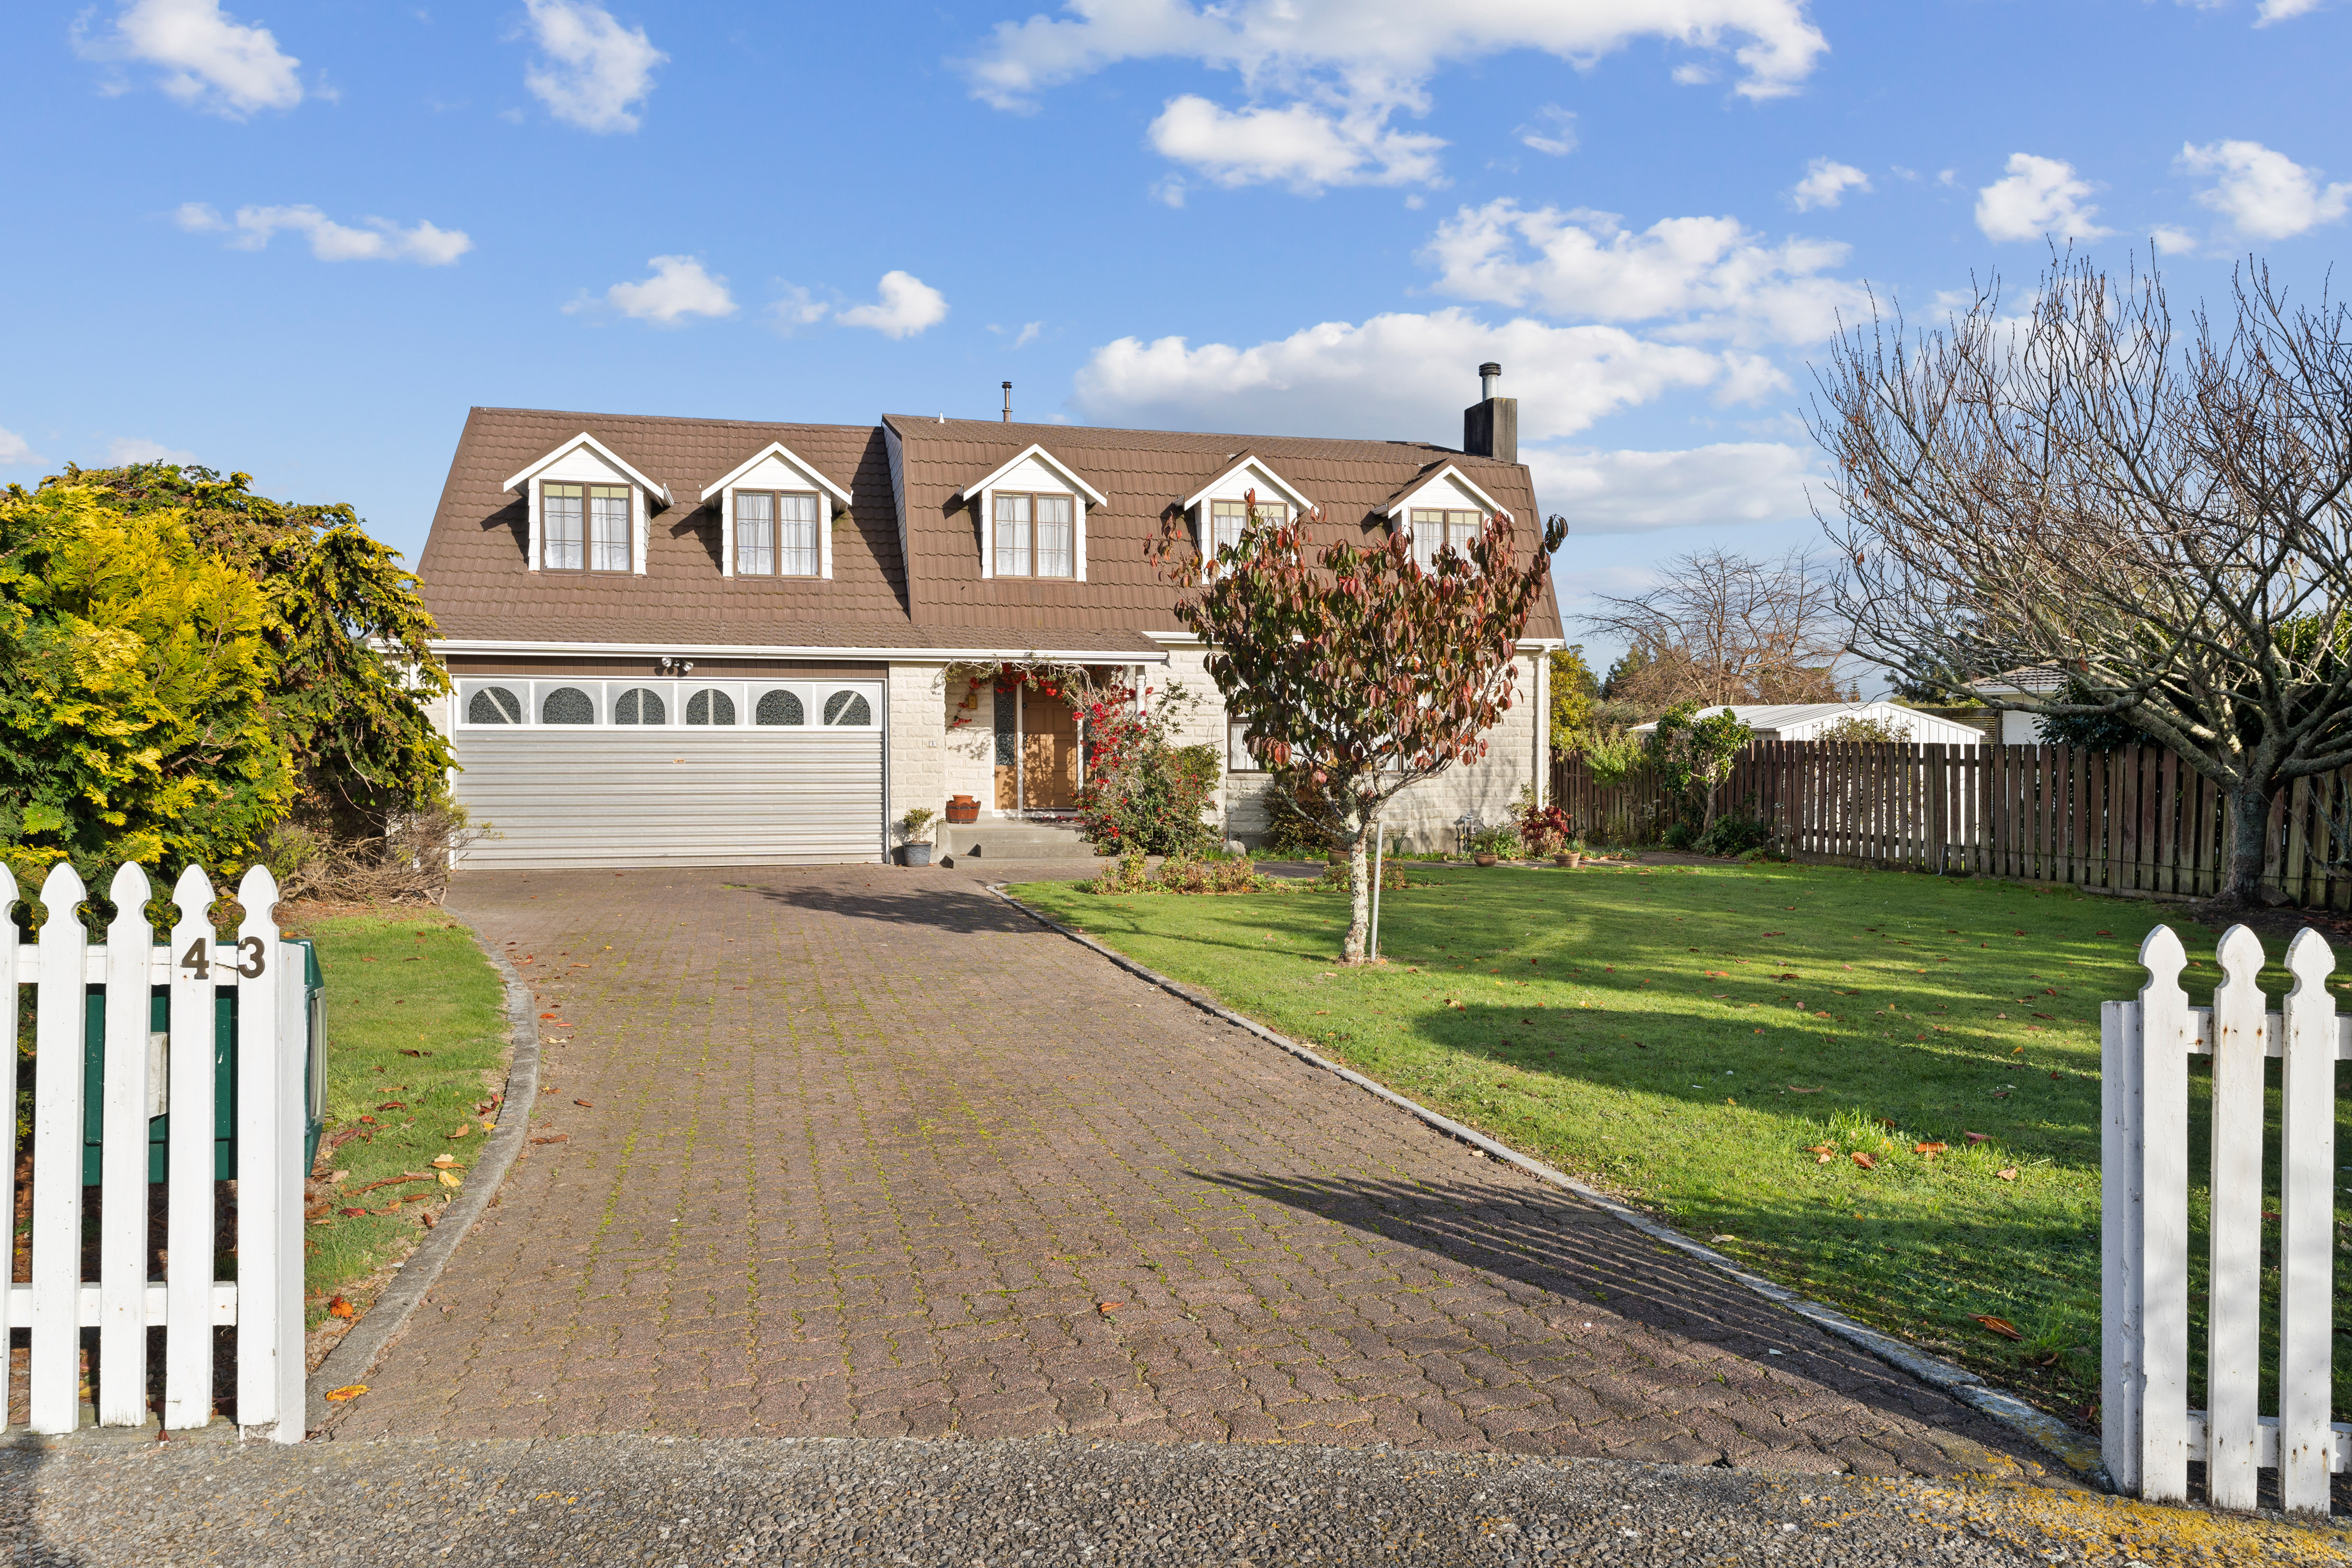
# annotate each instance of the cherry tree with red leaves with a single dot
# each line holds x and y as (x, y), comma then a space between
(1355, 669)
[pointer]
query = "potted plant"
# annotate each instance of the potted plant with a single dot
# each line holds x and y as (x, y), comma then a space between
(914, 832)
(1571, 854)
(1491, 843)
(962, 808)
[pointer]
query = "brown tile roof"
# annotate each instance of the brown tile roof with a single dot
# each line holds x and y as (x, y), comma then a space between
(477, 586)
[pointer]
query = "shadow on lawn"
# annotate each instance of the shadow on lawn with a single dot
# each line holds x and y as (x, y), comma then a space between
(1579, 1262)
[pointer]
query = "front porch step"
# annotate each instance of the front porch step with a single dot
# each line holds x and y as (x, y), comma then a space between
(1013, 841)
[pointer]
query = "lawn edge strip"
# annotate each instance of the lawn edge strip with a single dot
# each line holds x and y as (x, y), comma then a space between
(363, 1344)
(2078, 1451)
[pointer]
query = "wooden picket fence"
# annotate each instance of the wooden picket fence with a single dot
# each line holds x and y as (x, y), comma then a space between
(2149, 1435)
(2133, 821)
(111, 993)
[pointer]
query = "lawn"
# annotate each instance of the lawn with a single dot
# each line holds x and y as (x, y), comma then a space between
(1719, 1043)
(417, 1046)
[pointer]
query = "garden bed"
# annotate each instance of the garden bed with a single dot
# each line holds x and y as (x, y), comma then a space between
(1720, 1042)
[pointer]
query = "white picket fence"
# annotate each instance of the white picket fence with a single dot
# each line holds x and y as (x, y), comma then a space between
(265, 1301)
(2150, 1434)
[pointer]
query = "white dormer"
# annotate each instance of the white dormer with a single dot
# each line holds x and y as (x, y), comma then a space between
(1033, 518)
(775, 516)
(1218, 511)
(590, 511)
(1440, 509)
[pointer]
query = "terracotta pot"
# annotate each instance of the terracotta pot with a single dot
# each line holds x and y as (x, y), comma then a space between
(963, 808)
(1568, 860)
(1483, 859)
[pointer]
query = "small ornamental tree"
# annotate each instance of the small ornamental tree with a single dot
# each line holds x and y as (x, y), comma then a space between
(1357, 668)
(1693, 755)
(1144, 794)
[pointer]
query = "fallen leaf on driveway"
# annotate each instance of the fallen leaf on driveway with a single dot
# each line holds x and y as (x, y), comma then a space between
(1108, 1306)
(553, 1138)
(349, 1391)
(589, 1104)
(2007, 1173)
(339, 1308)
(2001, 1326)
(547, 1015)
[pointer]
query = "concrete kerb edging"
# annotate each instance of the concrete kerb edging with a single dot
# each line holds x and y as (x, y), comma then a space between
(2077, 1452)
(356, 1353)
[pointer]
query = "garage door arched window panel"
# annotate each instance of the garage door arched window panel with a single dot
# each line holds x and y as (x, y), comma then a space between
(710, 706)
(640, 705)
(567, 705)
(779, 707)
(493, 705)
(850, 711)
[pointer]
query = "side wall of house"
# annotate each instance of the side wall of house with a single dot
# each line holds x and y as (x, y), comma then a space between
(919, 754)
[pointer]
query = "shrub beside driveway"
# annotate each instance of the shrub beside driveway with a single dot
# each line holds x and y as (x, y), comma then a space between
(1880, 1088)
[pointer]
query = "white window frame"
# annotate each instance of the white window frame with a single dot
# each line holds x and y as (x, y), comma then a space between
(1248, 473)
(724, 488)
(604, 692)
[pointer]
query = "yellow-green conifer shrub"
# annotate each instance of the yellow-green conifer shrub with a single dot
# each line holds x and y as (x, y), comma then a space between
(134, 681)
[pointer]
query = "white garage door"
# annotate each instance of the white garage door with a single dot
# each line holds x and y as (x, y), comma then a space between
(676, 773)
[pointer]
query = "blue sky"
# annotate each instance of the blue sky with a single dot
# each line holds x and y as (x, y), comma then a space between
(302, 239)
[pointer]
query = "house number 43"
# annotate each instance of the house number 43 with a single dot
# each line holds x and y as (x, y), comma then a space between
(198, 961)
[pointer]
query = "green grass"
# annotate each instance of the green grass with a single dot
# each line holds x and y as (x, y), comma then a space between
(1688, 1036)
(415, 1019)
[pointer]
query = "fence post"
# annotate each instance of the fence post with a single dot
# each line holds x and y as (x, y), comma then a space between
(2234, 1232)
(269, 1174)
(189, 1223)
(57, 1158)
(122, 1248)
(2306, 1224)
(2144, 1280)
(8, 1320)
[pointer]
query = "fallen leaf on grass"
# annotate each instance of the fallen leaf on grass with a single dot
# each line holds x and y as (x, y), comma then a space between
(465, 1129)
(448, 1179)
(2007, 1173)
(1930, 1150)
(443, 1161)
(1865, 1160)
(339, 1308)
(1885, 1121)
(1976, 1137)
(348, 1214)
(349, 1391)
(394, 1105)
(1794, 1090)
(2001, 1326)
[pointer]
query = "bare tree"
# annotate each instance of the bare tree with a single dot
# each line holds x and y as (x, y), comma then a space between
(2164, 524)
(1722, 627)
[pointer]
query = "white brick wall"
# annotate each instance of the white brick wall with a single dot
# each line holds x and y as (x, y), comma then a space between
(970, 752)
(917, 762)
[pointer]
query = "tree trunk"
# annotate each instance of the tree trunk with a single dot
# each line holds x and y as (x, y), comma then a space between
(1360, 889)
(2248, 832)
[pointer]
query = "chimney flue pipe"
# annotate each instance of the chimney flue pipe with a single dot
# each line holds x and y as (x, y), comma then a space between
(1008, 403)
(1488, 374)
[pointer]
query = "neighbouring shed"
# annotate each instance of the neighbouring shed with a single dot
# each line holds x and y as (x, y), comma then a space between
(1810, 720)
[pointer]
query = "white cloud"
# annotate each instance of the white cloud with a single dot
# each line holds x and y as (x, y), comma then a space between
(680, 288)
(209, 59)
(125, 450)
(1552, 131)
(2040, 196)
(596, 71)
(1402, 374)
(1344, 68)
(1633, 492)
(2265, 195)
(1028, 334)
(2171, 241)
(1300, 146)
(1825, 185)
(907, 305)
(2282, 10)
(380, 240)
(14, 450)
(1710, 274)
(798, 308)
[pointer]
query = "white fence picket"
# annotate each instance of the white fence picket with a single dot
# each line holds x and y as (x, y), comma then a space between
(122, 1158)
(189, 1219)
(2308, 1226)
(56, 1379)
(269, 1176)
(2235, 1229)
(2150, 1434)
(9, 1321)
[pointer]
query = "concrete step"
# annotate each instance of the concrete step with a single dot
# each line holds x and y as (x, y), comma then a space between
(1013, 841)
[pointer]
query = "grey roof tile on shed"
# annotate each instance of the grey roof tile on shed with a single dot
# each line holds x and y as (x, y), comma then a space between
(478, 586)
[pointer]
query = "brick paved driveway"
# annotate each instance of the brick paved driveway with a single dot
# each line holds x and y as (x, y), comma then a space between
(866, 1153)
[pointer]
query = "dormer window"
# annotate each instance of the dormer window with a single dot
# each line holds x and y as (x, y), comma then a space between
(588, 508)
(774, 512)
(1228, 518)
(1035, 534)
(1031, 516)
(1220, 508)
(776, 533)
(1435, 530)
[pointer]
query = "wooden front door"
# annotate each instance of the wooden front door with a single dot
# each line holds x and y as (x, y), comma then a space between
(1049, 754)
